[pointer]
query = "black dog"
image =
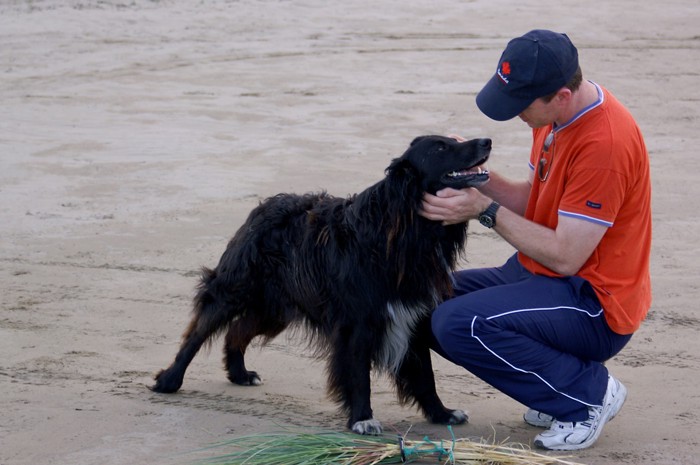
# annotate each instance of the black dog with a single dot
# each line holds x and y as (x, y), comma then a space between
(361, 274)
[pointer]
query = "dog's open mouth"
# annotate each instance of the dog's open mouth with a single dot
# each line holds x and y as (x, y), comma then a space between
(470, 177)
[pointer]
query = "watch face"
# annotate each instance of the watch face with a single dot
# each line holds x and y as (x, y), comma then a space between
(486, 221)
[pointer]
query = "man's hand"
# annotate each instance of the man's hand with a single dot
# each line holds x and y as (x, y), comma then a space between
(457, 137)
(453, 206)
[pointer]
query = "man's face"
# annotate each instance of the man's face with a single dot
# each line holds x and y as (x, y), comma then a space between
(539, 113)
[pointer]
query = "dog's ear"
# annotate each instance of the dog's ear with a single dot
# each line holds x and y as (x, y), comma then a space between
(402, 179)
(400, 167)
(416, 140)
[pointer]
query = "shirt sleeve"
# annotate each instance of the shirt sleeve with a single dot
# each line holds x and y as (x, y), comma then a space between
(594, 195)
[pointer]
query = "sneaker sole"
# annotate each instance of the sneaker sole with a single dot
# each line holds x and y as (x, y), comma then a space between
(537, 423)
(622, 395)
(619, 401)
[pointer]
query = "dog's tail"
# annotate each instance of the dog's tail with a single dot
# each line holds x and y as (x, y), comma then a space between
(223, 292)
(208, 312)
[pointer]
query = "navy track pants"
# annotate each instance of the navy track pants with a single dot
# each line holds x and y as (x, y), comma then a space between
(540, 340)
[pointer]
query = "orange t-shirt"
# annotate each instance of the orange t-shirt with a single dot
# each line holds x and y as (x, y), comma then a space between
(600, 173)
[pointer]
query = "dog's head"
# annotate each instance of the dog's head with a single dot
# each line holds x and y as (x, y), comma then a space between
(435, 162)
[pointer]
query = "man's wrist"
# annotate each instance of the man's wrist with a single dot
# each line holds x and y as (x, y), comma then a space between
(488, 216)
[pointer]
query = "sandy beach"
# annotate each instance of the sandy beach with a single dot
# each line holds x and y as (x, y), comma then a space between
(136, 136)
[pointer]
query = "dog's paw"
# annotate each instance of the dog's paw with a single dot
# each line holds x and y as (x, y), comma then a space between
(457, 417)
(167, 382)
(249, 378)
(370, 426)
(448, 417)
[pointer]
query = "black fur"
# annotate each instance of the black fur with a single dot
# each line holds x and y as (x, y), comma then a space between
(361, 274)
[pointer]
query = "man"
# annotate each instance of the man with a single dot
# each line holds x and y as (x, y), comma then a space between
(540, 327)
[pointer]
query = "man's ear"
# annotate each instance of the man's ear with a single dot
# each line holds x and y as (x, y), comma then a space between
(564, 96)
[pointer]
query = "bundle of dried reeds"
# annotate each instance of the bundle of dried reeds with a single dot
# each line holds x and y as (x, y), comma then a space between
(336, 448)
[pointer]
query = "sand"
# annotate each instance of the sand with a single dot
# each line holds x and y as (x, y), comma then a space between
(135, 137)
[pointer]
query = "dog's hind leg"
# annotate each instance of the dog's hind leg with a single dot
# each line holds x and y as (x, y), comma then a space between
(239, 335)
(170, 379)
(415, 380)
(211, 315)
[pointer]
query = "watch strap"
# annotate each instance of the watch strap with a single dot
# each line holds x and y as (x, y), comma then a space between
(488, 216)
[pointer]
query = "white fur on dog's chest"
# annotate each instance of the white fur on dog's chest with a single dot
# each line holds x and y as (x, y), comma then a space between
(399, 331)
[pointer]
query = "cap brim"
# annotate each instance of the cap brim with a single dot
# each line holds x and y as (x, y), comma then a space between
(496, 104)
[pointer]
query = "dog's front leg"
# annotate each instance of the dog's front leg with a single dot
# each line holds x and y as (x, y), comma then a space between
(361, 420)
(415, 380)
(349, 383)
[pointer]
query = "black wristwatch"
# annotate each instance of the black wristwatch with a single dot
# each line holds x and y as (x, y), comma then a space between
(488, 216)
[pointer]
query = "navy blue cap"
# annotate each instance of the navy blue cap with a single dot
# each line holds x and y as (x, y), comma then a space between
(531, 66)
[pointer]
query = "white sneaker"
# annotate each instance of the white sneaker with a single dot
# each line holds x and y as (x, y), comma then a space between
(541, 420)
(564, 435)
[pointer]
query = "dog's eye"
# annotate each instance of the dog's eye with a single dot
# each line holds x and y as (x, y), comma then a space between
(440, 148)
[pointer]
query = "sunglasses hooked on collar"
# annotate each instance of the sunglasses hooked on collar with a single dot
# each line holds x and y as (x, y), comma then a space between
(544, 164)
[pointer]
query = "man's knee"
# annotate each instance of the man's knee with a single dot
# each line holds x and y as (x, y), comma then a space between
(439, 322)
(451, 324)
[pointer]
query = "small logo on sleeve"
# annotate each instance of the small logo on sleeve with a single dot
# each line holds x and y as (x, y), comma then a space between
(595, 205)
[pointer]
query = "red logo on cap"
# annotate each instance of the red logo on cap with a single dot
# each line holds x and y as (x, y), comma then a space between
(504, 71)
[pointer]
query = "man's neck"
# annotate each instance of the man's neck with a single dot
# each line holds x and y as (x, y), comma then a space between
(586, 95)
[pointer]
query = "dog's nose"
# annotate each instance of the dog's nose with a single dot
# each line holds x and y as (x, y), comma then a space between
(485, 143)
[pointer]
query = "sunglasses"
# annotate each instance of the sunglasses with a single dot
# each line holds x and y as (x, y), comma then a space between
(544, 166)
